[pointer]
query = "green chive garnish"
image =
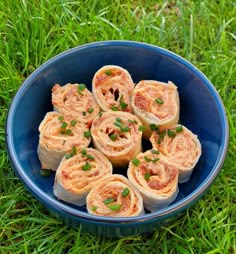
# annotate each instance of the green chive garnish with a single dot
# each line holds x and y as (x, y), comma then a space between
(155, 151)
(63, 125)
(123, 105)
(141, 128)
(87, 134)
(74, 150)
(83, 152)
(179, 128)
(155, 160)
(45, 172)
(68, 156)
(64, 141)
(153, 127)
(163, 133)
(147, 176)
(125, 129)
(171, 133)
(115, 207)
(100, 114)
(81, 87)
(136, 161)
(118, 123)
(159, 101)
(114, 108)
(61, 118)
(113, 136)
(125, 192)
(84, 113)
(87, 166)
(118, 119)
(89, 156)
(94, 208)
(73, 122)
(68, 131)
(147, 159)
(90, 110)
(132, 121)
(108, 72)
(108, 201)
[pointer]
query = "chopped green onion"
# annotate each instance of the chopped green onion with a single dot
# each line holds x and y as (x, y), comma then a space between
(113, 136)
(118, 119)
(84, 113)
(118, 123)
(45, 172)
(147, 176)
(74, 150)
(83, 152)
(86, 167)
(136, 161)
(89, 156)
(61, 118)
(115, 207)
(123, 105)
(94, 208)
(147, 159)
(163, 133)
(159, 140)
(171, 133)
(63, 125)
(68, 131)
(81, 87)
(179, 128)
(153, 127)
(155, 160)
(87, 134)
(100, 114)
(73, 122)
(159, 101)
(125, 129)
(125, 192)
(90, 110)
(68, 156)
(108, 72)
(114, 108)
(132, 121)
(108, 201)
(141, 128)
(155, 151)
(64, 141)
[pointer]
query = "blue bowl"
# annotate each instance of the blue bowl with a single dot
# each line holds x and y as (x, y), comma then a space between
(201, 110)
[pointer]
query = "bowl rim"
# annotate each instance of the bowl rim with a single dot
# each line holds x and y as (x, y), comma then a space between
(158, 215)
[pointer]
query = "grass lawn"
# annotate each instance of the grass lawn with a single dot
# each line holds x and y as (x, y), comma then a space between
(203, 32)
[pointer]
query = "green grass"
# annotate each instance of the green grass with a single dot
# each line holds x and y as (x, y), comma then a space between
(203, 32)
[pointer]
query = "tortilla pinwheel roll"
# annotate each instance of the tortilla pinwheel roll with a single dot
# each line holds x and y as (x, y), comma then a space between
(114, 196)
(76, 101)
(155, 178)
(118, 136)
(112, 87)
(58, 135)
(156, 103)
(180, 146)
(78, 173)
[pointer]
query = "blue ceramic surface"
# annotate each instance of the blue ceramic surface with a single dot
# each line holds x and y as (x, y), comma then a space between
(201, 110)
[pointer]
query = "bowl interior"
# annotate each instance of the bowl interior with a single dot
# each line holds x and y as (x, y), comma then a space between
(200, 107)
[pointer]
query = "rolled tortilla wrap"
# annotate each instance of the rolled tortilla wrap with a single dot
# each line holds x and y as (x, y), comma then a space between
(114, 196)
(58, 135)
(180, 146)
(77, 174)
(76, 101)
(156, 103)
(155, 178)
(112, 87)
(117, 135)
